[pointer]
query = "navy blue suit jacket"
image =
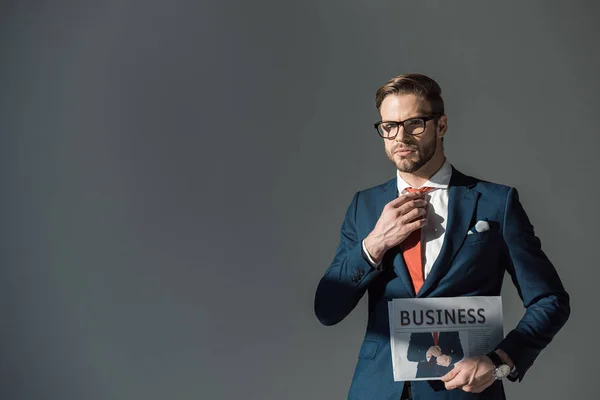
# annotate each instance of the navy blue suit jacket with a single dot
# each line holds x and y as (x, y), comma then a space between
(468, 265)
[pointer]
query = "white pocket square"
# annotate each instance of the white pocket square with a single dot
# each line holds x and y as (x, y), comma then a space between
(480, 226)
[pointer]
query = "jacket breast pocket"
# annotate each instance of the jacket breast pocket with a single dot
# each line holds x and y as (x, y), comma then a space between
(478, 259)
(477, 237)
(368, 350)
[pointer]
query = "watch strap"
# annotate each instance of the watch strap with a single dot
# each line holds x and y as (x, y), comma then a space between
(495, 359)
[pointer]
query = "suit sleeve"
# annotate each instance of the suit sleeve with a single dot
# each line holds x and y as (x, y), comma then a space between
(456, 351)
(417, 350)
(539, 286)
(348, 276)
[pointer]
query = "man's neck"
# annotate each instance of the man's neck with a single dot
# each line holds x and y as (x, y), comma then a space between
(418, 178)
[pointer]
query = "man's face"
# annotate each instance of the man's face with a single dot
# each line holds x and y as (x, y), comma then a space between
(409, 153)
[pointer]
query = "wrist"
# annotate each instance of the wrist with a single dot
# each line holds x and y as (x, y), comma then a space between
(374, 248)
(505, 358)
(501, 369)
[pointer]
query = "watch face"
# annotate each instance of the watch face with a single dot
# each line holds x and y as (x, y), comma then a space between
(502, 371)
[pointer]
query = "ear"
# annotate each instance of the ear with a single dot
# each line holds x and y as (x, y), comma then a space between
(442, 126)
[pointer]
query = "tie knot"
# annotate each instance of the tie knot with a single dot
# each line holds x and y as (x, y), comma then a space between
(422, 190)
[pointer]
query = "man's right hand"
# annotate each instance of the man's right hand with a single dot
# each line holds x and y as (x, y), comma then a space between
(398, 219)
(443, 360)
(434, 351)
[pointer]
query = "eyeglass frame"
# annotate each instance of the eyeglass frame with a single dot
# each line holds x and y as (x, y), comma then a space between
(424, 118)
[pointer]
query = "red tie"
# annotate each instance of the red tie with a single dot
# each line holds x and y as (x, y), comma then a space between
(435, 338)
(411, 250)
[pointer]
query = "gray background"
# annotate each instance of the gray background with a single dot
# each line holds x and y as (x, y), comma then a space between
(174, 176)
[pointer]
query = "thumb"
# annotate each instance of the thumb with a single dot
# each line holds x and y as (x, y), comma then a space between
(452, 374)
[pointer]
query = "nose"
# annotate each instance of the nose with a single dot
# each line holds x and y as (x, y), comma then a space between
(400, 136)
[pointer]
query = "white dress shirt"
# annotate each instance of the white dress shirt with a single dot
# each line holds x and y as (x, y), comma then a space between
(432, 234)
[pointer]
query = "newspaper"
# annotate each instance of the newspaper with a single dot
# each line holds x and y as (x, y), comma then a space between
(429, 336)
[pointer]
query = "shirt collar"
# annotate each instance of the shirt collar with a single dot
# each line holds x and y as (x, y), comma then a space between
(439, 180)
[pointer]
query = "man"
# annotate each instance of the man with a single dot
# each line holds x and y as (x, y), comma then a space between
(436, 352)
(409, 237)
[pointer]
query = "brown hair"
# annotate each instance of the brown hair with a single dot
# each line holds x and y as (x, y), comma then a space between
(417, 84)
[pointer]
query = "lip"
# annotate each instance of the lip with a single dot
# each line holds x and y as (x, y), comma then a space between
(404, 152)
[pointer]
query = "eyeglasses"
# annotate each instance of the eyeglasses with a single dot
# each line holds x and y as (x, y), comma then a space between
(412, 126)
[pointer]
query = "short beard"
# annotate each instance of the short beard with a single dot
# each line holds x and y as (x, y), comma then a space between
(425, 154)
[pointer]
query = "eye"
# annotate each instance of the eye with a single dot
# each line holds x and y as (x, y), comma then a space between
(389, 126)
(414, 122)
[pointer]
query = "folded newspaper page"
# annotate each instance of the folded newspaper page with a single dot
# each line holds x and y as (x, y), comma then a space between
(429, 336)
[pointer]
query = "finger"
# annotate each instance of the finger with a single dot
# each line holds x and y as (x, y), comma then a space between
(398, 201)
(451, 375)
(417, 224)
(458, 382)
(412, 215)
(474, 389)
(411, 205)
(478, 388)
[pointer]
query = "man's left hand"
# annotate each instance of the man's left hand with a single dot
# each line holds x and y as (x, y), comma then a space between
(472, 374)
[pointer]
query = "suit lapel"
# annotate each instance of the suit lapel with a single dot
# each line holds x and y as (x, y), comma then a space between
(462, 200)
(401, 269)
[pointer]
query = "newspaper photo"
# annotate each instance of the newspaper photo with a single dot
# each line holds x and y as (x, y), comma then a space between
(429, 336)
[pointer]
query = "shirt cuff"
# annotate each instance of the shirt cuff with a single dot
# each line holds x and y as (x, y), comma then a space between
(369, 258)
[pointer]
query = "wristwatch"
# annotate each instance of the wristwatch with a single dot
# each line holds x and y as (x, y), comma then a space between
(501, 369)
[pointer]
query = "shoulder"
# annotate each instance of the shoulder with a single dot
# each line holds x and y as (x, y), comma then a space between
(373, 194)
(390, 184)
(484, 187)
